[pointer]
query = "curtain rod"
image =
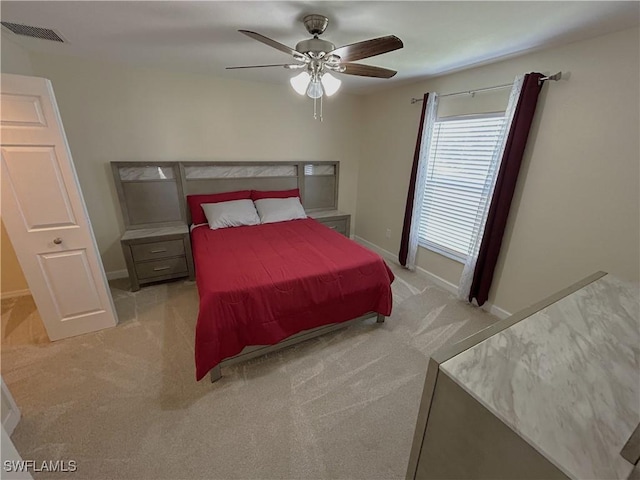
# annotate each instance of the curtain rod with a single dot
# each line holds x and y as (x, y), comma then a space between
(555, 77)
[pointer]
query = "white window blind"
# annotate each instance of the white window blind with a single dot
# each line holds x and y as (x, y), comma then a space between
(460, 161)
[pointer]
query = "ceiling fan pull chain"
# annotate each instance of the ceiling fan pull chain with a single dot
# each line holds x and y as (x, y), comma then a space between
(315, 109)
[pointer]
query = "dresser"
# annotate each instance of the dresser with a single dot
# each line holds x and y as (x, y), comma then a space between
(551, 392)
(159, 253)
(334, 219)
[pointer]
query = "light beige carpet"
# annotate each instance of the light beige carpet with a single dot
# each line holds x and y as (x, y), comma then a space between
(124, 404)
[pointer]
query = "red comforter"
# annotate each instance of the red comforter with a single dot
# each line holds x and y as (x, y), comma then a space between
(261, 284)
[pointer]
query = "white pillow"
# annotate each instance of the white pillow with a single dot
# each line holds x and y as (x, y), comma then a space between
(273, 210)
(234, 213)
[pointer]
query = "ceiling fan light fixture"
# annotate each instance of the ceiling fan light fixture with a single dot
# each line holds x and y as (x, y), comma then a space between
(300, 82)
(315, 89)
(330, 83)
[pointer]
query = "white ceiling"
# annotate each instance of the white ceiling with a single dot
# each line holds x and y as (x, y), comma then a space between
(202, 37)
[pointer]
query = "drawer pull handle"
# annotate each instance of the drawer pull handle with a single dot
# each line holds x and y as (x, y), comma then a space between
(158, 269)
(160, 250)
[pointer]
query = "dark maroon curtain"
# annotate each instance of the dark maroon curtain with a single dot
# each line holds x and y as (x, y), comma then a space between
(408, 210)
(505, 186)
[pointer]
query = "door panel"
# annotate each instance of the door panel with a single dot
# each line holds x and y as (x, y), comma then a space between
(40, 191)
(45, 214)
(26, 111)
(70, 281)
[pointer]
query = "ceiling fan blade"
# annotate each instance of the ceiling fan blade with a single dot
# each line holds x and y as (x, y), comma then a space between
(368, 48)
(367, 70)
(285, 65)
(271, 43)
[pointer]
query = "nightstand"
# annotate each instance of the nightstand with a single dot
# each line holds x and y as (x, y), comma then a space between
(334, 219)
(156, 254)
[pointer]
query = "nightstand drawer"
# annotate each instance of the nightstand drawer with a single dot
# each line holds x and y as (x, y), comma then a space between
(151, 251)
(160, 268)
(339, 226)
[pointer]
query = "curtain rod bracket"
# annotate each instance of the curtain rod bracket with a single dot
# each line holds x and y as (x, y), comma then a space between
(555, 77)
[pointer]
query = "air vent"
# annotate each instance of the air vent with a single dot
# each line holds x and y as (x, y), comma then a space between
(35, 32)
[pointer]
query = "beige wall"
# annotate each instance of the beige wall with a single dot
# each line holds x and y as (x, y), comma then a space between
(12, 278)
(123, 113)
(16, 60)
(576, 209)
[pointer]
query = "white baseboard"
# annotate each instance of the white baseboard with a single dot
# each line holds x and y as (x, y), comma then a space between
(115, 274)
(441, 282)
(15, 293)
(379, 250)
(497, 311)
(387, 255)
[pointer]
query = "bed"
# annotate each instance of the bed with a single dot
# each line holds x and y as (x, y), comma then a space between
(262, 284)
(266, 286)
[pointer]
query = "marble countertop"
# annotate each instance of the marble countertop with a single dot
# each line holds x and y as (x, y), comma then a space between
(566, 379)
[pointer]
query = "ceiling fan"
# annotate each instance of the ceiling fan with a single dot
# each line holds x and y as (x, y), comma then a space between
(317, 57)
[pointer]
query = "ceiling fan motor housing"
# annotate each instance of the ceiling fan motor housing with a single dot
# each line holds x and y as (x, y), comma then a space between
(315, 45)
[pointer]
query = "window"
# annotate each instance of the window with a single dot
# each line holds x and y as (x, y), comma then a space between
(460, 164)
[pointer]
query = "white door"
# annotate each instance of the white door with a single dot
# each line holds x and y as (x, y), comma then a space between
(45, 215)
(13, 468)
(10, 411)
(11, 460)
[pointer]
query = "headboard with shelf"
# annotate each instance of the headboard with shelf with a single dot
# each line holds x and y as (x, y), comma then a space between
(153, 194)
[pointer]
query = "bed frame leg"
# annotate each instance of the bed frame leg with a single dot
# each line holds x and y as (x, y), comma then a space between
(380, 318)
(216, 374)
